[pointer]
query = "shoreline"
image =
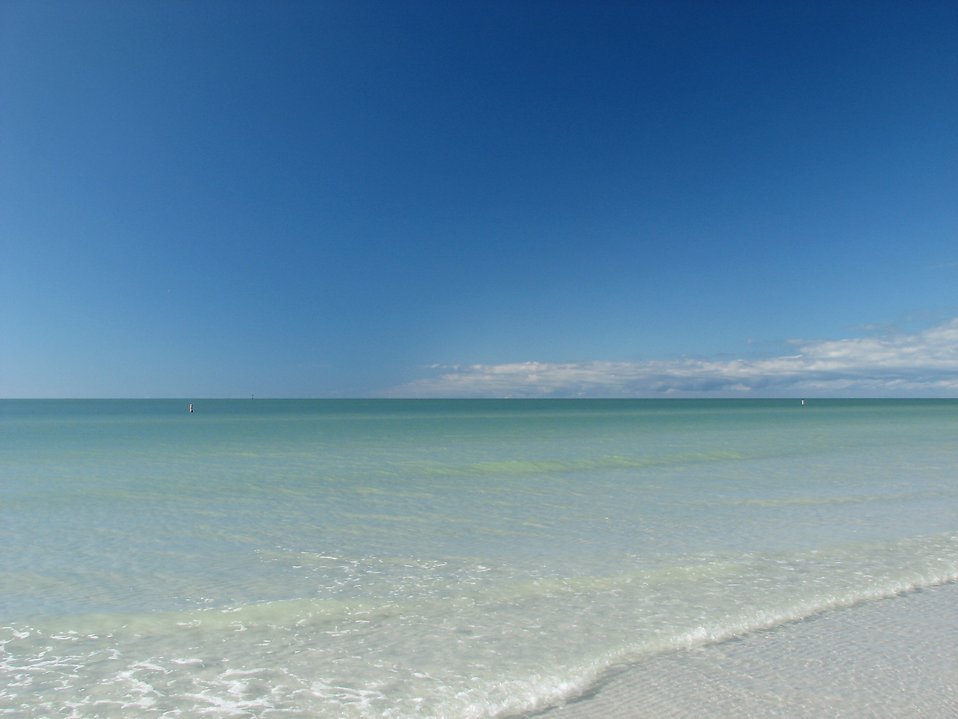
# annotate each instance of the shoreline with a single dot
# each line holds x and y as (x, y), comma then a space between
(882, 658)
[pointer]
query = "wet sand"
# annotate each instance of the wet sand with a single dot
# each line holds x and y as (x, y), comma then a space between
(894, 657)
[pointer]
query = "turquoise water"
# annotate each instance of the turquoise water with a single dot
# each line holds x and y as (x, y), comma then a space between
(392, 558)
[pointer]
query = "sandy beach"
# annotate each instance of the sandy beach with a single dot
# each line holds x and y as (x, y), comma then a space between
(894, 657)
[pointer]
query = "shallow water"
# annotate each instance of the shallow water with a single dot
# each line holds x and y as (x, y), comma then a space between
(438, 558)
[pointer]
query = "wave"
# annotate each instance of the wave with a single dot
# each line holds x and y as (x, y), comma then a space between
(464, 640)
(840, 500)
(516, 467)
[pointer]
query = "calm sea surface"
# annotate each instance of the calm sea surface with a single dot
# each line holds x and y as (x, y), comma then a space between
(391, 558)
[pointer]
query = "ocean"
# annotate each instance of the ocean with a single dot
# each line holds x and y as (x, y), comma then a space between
(442, 558)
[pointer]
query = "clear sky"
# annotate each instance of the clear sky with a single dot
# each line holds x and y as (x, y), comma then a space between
(402, 198)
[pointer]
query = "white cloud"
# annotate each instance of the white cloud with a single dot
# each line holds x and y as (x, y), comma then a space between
(920, 364)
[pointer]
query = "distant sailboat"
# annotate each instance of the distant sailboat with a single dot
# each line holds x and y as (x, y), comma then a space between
(803, 403)
(191, 408)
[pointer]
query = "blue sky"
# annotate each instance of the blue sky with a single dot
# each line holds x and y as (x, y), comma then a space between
(321, 199)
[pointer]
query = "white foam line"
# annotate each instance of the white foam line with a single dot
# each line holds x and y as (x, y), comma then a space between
(888, 662)
(243, 672)
(552, 693)
(703, 635)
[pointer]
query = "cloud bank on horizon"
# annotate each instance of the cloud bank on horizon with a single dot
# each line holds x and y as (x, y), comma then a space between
(920, 364)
